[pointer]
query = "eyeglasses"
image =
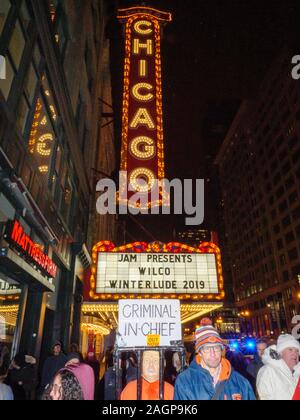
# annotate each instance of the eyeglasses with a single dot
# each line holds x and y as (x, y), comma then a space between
(213, 349)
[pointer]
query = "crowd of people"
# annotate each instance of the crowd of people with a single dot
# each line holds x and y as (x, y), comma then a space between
(212, 372)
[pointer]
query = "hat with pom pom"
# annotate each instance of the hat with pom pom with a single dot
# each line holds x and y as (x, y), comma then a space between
(206, 335)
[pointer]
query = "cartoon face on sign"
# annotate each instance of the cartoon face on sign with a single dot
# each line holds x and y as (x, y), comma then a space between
(150, 367)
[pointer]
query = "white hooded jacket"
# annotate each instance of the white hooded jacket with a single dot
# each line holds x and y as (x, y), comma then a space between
(275, 381)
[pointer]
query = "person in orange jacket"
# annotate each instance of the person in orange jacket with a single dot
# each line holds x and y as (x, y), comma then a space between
(150, 381)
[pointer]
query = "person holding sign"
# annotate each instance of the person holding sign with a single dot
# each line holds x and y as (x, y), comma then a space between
(210, 376)
(150, 381)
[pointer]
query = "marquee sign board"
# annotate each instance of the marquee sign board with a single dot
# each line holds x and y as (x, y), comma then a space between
(156, 270)
(157, 273)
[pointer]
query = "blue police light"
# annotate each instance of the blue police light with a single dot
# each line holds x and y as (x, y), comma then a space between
(251, 345)
(235, 346)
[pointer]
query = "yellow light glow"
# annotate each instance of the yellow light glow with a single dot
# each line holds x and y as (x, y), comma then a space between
(53, 112)
(44, 121)
(44, 169)
(97, 329)
(142, 97)
(142, 173)
(157, 125)
(145, 13)
(42, 147)
(189, 312)
(139, 30)
(143, 148)
(142, 117)
(9, 309)
(138, 46)
(143, 68)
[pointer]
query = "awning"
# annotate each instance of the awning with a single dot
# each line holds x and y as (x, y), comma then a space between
(18, 269)
(107, 313)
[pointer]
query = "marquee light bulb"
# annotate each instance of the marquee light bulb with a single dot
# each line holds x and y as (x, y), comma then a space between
(143, 148)
(142, 86)
(139, 30)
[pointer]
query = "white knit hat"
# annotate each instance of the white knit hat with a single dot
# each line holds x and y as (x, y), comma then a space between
(287, 341)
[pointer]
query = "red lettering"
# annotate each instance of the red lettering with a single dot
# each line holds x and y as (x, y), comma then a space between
(23, 242)
(17, 232)
(32, 250)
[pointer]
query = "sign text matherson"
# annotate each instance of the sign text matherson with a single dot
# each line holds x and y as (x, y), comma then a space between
(157, 273)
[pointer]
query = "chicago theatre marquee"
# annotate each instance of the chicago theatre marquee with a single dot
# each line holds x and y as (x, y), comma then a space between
(141, 270)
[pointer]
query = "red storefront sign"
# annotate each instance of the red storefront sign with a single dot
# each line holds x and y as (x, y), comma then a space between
(142, 155)
(16, 236)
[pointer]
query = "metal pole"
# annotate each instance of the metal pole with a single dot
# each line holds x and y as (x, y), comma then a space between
(139, 375)
(118, 375)
(161, 375)
(182, 353)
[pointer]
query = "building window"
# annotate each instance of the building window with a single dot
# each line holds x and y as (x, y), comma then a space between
(5, 85)
(60, 26)
(296, 272)
(285, 276)
(280, 192)
(293, 142)
(26, 101)
(4, 10)
(283, 207)
(17, 45)
(282, 260)
(52, 9)
(290, 182)
(296, 156)
(22, 114)
(293, 254)
(293, 198)
(290, 237)
(286, 168)
(276, 179)
(296, 213)
(30, 84)
(13, 58)
(25, 15)
(280, 244)
(286, 222)
(67, 200)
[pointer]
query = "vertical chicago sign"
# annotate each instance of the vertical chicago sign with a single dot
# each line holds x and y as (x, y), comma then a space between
(142, 155)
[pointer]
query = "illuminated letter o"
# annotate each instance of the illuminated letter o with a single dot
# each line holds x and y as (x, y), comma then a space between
(146, 175)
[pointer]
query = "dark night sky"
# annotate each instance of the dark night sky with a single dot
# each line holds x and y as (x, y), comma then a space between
(215, 54)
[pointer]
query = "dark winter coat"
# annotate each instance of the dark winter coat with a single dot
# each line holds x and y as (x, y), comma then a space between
(52, 365)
